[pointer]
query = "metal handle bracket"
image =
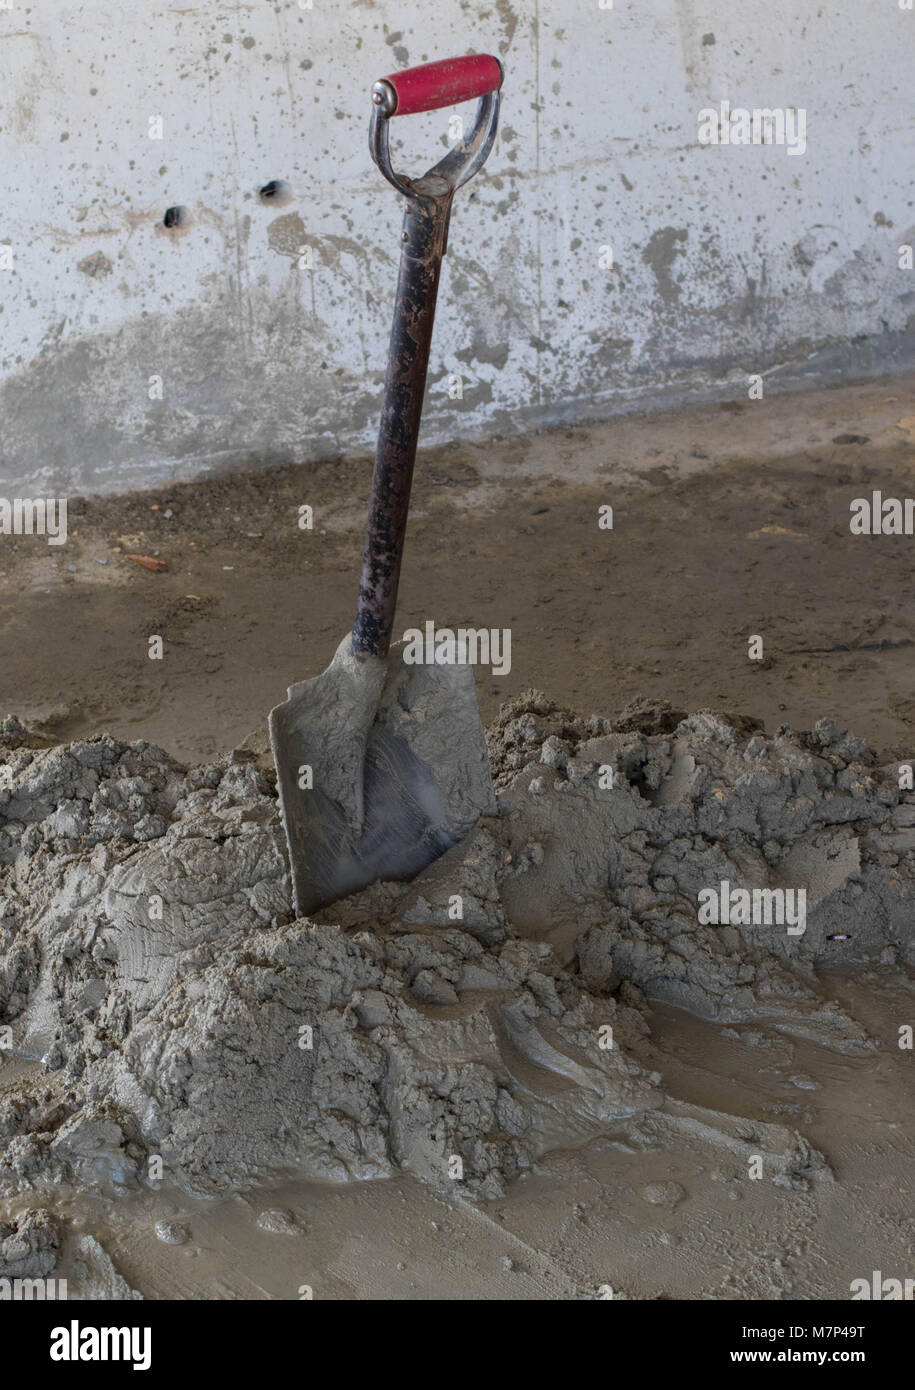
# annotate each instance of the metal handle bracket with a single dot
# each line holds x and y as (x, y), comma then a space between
(458, 165)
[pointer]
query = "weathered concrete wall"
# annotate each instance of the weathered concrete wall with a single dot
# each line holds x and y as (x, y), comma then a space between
(726, 261)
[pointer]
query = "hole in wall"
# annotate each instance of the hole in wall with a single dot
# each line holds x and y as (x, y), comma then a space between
(275, 191)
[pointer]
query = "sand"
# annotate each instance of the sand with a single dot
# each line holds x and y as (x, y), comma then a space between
(194, 1035)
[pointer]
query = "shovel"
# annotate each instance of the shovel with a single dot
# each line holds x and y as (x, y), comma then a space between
(381, 765)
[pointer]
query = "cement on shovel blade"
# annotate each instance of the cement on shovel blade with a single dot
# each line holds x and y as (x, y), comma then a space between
(399, 771)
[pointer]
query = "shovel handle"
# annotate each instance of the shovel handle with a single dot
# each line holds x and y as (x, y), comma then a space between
(433, 85)
(423, 242)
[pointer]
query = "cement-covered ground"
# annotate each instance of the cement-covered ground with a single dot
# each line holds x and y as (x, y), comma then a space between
(728, 522)
(186, 1030)
(159, 991)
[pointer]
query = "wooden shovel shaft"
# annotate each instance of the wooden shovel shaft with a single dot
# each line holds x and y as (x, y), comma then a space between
(425, 229)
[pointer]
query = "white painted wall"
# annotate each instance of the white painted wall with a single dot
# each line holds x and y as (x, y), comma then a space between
(727, 261)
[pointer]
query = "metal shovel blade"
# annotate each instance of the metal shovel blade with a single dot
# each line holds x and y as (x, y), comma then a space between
(381, 768)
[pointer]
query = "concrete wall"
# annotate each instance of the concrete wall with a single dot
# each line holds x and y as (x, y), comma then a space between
(727, 261)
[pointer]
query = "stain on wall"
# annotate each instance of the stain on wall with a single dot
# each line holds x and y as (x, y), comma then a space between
(197, 256)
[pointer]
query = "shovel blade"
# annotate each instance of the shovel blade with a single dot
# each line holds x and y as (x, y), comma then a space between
(398, 771)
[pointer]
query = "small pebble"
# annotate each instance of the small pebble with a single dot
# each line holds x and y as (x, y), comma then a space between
(172, 1232)
(278, 1223)
(662, 1194)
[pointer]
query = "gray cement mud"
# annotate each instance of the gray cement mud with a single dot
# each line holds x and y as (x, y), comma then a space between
(156, 991)
(172, 1027)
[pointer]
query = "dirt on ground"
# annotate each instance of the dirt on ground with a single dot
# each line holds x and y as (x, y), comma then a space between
(728, 523)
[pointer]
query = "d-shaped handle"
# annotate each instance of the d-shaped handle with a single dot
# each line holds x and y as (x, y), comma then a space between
(428, 88)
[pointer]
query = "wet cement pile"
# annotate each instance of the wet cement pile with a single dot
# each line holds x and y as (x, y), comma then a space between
(189, 1028)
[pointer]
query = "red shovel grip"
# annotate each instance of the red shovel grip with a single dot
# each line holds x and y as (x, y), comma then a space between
(444, 83)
